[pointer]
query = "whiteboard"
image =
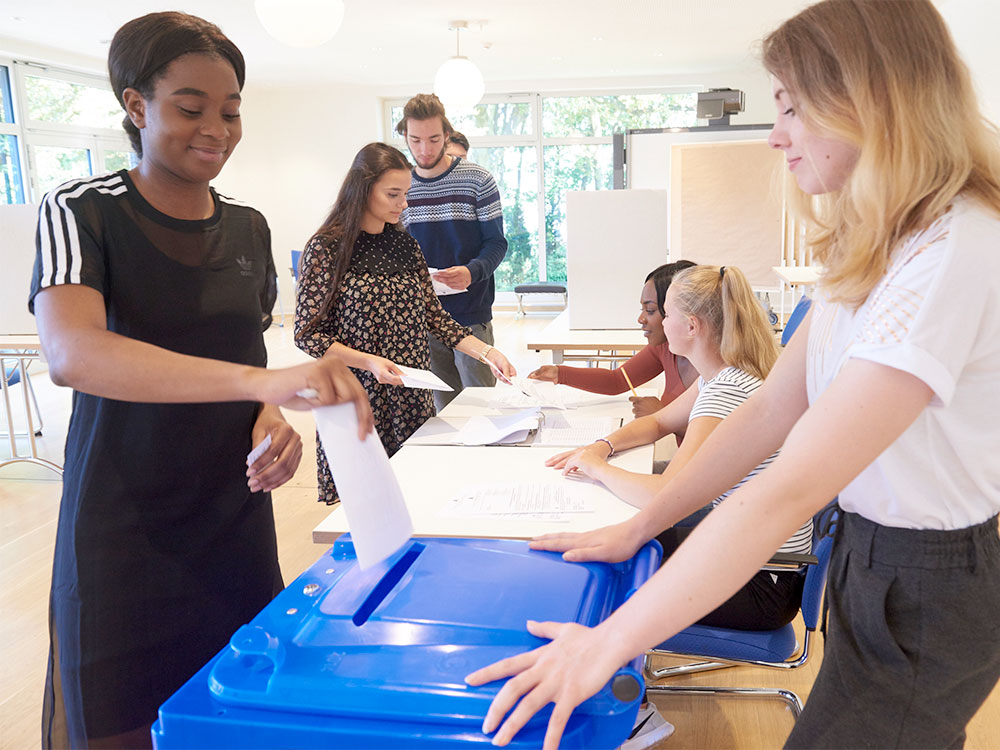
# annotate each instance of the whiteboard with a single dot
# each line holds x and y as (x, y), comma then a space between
(614, 238)
(17, 257)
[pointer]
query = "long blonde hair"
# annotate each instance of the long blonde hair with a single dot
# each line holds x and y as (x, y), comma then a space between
(721, 297)
(884, 76)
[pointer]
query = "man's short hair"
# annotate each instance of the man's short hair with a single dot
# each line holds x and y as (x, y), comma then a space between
(459, 139)
(424, 107)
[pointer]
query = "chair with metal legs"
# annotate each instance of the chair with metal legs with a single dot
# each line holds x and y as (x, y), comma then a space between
(12, 376)
(721, 648)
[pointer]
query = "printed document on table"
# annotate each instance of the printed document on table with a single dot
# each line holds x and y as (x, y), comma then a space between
(376, 513)
(441, 289)
(414, 377)
(517, 500)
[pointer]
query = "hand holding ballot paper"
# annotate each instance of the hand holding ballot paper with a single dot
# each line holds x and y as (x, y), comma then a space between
(445, 282)
(376, 514)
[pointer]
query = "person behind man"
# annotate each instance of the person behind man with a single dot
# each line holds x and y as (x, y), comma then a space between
(458, 145)
(454, 213)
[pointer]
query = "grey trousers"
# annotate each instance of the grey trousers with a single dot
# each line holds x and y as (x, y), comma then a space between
(459, 370)
(913, 643)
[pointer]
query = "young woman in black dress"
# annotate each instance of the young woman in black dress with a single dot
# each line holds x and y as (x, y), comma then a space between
(150, 290)
(373, 303)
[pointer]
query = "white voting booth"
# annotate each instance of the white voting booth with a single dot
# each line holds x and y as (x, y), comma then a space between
(613, 238)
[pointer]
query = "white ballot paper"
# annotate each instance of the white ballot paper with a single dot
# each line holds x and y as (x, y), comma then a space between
(376, 513)
(441, 289)
(517, 500)
(509, 428)
(414, 377)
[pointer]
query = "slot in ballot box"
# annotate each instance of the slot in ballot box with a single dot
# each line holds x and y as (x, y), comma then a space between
(351, 658)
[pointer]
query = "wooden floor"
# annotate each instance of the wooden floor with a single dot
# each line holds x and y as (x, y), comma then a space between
(29, 501)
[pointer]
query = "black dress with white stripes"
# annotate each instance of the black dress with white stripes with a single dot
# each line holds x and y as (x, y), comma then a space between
(161, 550)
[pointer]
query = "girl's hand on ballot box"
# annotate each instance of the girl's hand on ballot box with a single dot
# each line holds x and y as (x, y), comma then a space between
(615, 543)
(575, 665)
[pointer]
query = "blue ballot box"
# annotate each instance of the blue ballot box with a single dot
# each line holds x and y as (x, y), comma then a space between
(351, 658)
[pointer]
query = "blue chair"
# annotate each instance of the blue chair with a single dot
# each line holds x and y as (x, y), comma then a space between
(296, 259)
(798, 313)
(721, 648)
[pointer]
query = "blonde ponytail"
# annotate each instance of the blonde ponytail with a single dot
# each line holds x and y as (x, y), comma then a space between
(723, 299)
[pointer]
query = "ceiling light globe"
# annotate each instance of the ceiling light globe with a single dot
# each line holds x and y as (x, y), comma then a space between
(459, 85)
(301, 23)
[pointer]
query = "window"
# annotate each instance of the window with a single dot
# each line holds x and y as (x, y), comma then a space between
(11, 182)
(57, 124)
(537, 147)
(54, 101)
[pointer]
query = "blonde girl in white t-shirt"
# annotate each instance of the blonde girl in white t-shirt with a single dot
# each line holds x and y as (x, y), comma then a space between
(885, 395)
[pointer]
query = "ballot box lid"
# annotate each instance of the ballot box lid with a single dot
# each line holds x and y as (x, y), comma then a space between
(393, 643)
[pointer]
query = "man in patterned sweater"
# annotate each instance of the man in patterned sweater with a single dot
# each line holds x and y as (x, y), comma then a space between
(454, 213)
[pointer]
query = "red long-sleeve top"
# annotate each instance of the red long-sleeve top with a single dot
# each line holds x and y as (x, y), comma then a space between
(643, 367)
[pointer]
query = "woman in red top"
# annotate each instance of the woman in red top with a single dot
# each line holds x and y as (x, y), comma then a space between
(653, 359)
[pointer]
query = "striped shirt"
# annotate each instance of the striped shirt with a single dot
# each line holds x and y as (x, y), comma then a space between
(718, 398)
(457, 219)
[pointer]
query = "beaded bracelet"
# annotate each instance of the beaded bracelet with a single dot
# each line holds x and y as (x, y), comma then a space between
(605, 440)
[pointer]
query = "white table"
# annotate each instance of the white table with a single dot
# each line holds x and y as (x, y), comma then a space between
(430, 476)
(796, 279)
(21, 349)
(566, 344)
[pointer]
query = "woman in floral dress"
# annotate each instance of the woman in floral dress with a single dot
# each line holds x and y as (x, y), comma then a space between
(373, 304)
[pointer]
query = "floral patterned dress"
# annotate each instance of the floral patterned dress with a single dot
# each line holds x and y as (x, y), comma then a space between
(386, 306)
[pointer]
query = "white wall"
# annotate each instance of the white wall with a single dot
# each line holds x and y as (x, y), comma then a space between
(973, 25)
(298, 142)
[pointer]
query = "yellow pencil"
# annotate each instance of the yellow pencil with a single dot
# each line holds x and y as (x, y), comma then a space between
(630, 386)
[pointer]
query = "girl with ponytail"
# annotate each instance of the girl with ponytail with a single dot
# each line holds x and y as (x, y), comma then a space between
(712, 318)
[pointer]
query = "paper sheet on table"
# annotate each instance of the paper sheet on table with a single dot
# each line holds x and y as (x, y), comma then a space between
(376, 513)
(482, 430)
(440, 289)
(414, 377)
(518, 500)
(525, 392)
(568, 430)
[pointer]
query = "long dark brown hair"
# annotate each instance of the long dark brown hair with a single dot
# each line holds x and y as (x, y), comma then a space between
(340, 231)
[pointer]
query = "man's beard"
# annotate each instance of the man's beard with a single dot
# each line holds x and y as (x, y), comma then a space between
(437, 161)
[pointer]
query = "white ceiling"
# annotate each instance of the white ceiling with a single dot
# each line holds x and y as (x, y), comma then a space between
(390, 43)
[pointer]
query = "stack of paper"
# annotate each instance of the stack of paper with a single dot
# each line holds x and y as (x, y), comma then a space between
(510, 428)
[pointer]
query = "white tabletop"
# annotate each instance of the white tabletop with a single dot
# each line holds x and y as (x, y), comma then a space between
(430, 476)
(558, 335)
(793, 275)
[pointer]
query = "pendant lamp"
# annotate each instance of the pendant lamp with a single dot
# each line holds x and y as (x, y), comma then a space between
(458, 83)
(301, 23)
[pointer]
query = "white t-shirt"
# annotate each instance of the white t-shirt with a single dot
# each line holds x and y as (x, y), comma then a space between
(718, 398)
(935, 315)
